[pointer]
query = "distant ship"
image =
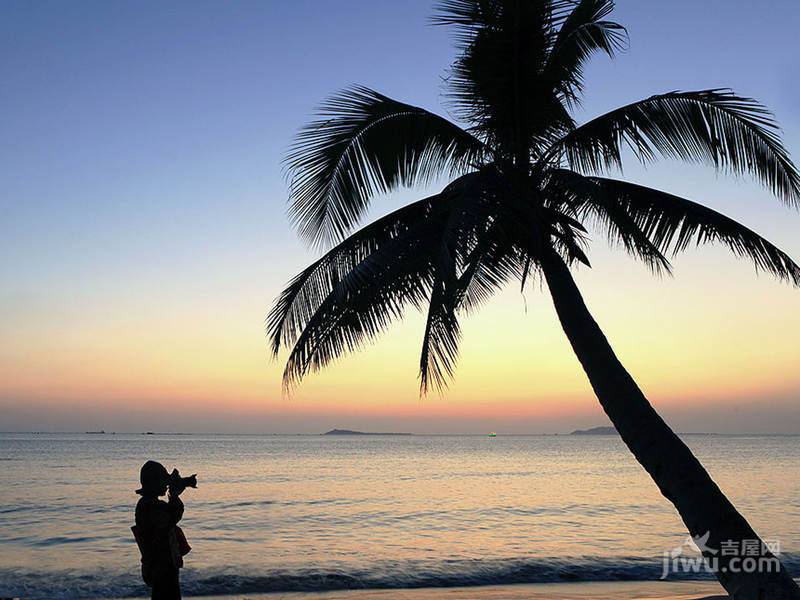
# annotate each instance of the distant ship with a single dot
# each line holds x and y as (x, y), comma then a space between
(492, 434)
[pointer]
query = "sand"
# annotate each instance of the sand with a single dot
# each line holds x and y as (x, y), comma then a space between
(635, 590)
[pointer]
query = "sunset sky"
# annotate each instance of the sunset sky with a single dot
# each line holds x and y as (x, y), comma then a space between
(144, 233)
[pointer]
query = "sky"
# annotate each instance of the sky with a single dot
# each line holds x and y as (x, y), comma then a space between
(144, 233)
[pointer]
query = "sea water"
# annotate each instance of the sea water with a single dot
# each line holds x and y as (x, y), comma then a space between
(281, 513)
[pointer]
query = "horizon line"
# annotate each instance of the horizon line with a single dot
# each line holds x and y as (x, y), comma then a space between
(385, 433)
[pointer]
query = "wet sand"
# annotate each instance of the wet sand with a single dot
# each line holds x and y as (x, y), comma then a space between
(634, 590)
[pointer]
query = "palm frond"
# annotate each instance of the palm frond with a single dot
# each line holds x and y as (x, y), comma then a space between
(363, 284)
(442, 331)
(497, 258)
(583, 32)
(486, 270)
(366, 300)
(302, 297)
(471, 16)
(718, 127)
(673, 224)
(476, 256)
(364, 144)
(581, 197)
(495, 83)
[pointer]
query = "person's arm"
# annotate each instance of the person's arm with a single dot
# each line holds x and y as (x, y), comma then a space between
(175, 508)
(165, 515)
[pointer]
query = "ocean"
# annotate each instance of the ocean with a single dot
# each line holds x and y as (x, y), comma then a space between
(310, 513)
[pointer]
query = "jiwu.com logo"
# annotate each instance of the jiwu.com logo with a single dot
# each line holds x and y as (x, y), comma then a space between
(733, 556)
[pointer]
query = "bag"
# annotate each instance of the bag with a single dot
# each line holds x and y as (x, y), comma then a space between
(147, 568)
(178, 545)
(135, 530)
(183, 545)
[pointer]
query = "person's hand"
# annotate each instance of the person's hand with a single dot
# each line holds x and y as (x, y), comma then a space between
(176, 485)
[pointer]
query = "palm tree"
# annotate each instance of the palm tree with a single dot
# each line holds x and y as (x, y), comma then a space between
(525, 183)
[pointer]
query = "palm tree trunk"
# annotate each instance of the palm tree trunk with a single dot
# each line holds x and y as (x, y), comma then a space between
(678, 474)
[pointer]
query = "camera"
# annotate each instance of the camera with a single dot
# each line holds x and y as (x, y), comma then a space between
(181, 483)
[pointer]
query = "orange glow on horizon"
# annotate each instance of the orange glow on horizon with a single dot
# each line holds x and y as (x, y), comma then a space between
(687, 350)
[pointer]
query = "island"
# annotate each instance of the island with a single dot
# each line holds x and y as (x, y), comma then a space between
(595, 431)
(351, 432)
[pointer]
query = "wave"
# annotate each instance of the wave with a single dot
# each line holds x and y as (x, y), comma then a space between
(102, 583)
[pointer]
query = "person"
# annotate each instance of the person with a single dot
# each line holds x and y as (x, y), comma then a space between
(157, 533)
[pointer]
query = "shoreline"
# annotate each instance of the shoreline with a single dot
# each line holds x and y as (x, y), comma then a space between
(620, 590)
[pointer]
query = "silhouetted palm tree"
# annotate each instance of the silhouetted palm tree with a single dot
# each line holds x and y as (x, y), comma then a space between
(524, 182)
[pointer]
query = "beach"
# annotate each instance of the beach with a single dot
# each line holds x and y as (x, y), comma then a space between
(558, 591)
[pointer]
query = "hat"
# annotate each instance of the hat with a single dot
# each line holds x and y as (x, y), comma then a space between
(152, 477)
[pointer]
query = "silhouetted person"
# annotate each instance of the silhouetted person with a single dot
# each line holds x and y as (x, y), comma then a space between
(156, 533)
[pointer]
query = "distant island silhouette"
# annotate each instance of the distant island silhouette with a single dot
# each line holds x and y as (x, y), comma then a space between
(596, 431)
(612, 431)
(352, 432)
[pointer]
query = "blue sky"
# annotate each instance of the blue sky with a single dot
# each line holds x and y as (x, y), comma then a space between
(141, 142)
(137, 126)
